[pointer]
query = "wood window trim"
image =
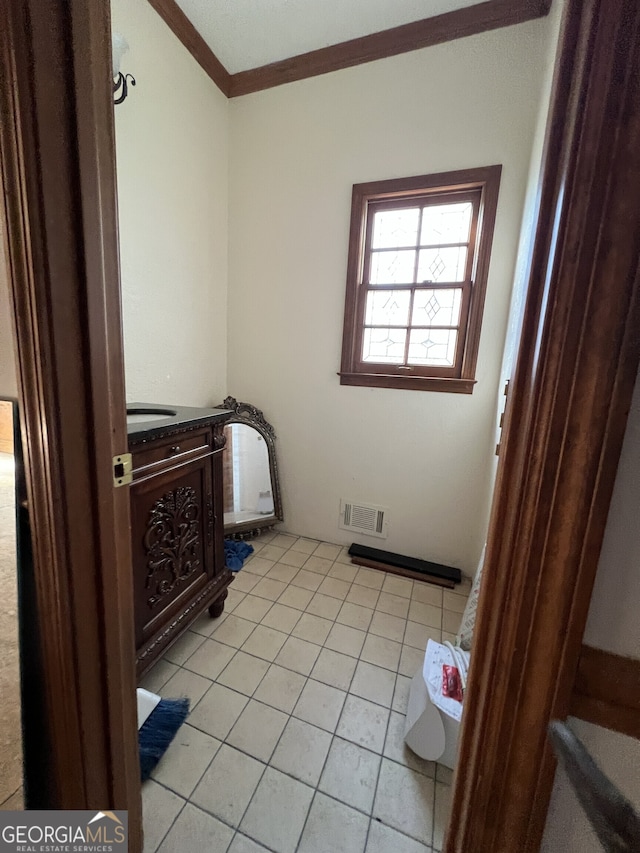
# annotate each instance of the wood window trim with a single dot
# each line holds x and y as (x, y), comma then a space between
(352, 372)
(606, 691)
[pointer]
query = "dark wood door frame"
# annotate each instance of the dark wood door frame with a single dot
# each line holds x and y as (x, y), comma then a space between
(569, 401)
(57, 147)
(570, 396)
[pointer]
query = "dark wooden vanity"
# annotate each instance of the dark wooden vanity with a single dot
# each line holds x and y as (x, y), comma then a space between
(176, 522)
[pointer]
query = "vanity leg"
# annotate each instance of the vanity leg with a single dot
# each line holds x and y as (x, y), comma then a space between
(217, 607)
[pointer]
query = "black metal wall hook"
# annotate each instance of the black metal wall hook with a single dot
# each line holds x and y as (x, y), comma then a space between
(121, 86)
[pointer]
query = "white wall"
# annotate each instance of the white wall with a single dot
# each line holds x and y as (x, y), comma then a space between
(295, 152)
(172, 160)
(612, 625)
(527, 233)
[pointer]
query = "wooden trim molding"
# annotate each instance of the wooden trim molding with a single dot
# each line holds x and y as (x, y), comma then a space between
(607, 691)
(57, 149)
(460, 23)
(570, 396)
(184, 30)
(479, 18)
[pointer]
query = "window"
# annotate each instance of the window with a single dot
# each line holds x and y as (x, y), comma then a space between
(419, 253)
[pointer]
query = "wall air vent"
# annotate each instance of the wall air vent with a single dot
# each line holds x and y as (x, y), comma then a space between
(364, 518)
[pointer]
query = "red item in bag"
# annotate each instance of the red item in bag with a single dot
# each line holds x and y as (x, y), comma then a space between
(451, 683)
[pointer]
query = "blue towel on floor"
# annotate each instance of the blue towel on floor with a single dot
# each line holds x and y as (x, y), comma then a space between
(235, 553)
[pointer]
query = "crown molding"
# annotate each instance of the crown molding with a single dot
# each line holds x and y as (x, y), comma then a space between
(184, 30)
(460, 23)
(480, 18)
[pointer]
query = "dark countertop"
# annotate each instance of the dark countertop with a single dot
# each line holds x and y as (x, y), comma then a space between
(185, 416)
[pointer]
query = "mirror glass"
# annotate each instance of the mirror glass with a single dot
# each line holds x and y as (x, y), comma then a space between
(250, 476)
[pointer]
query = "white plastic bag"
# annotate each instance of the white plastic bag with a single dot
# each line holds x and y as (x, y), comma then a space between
(437, 655)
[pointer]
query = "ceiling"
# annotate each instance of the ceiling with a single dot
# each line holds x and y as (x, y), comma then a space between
(246, 34)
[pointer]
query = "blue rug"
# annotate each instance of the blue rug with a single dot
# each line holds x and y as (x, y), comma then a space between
(235, 553)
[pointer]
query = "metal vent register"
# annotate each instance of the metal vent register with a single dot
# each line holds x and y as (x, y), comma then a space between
(364, 518)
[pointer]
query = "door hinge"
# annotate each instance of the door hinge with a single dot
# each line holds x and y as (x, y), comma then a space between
(122, 469)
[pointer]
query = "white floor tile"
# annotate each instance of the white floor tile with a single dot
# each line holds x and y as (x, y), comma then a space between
(427, 593)
(265, 643)
(183, 647)
(327, 551)
(159, 809)
(298, 655)
(302, 751)
(210, 659)
(404, 801)
(324, 605)
(427, 614)
(283, 573)
(278, 811)
(245, 581)
(269, 589)
(196, 830)
(364, 723)
(350, 774)
(370, 578)
(244, 673)
(442, 813)
(257, 730)
(355, 616)
(334, 587)
(381, 652)
(343, 572)
(398, 586)
(307, 580)
(296, 596)
(158, 675)
(401, 694)
(395, 605)
(385, 625)
(242, 844)
(373, 683)
(451, 621)
(280, 688)
(281, 618)
(273, 552)
(186, 684)
(233, 631)
(411, 660)
(312, 628)
(365, 596)
(259, 566)
(418, 635)
(233, 599)
(320, 705)
(333, 827)
(293, 558)
(334, 668)
(383, 839)
(252, 608)
(318, 565)
(186, 759)
(228, 785)
(217, 711)
(305, 546)
(348, 641)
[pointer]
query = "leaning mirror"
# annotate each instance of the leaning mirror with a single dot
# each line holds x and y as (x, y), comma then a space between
(251, 491)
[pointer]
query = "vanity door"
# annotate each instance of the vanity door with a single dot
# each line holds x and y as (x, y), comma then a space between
(174, 551)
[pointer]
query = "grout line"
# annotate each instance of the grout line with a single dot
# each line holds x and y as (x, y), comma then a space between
(334, 736)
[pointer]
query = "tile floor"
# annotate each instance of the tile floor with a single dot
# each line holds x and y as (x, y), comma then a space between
(298, 693)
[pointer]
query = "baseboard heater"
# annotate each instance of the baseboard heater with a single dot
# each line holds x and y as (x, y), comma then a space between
(409, 567)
